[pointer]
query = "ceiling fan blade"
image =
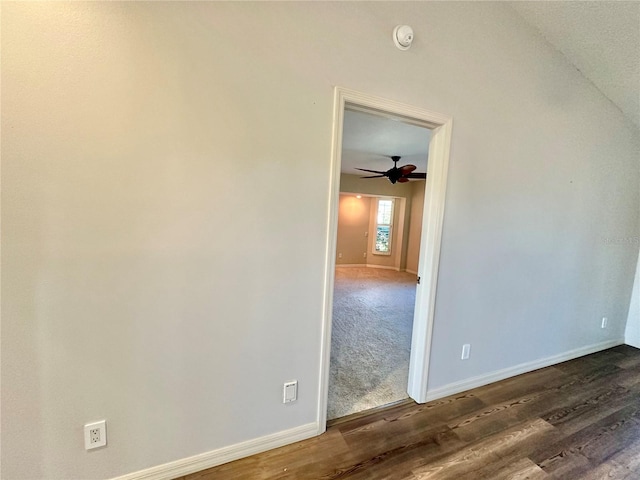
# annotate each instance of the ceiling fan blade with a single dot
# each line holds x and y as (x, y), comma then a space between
(403, 180)
(406, 169)
(372, 171)
(375, 176)
(416, 175)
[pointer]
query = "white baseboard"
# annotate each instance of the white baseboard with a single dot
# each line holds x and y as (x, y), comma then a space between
(370, 265)
(367, 265)
(189, 465)
(632, 343)
(481, 380)
(194, 464)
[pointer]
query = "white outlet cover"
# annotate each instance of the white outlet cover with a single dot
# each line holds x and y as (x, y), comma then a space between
(290, 393)
(466, 350)
(95, 435)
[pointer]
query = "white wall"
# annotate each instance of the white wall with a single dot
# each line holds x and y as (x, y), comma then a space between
(165, 186)
(632, 332)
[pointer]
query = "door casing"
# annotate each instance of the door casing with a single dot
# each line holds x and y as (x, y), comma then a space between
(430, 241)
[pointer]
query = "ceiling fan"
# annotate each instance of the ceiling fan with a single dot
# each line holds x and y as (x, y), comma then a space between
(396, 174)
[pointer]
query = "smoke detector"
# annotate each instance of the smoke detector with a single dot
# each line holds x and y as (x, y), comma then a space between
(403, 36)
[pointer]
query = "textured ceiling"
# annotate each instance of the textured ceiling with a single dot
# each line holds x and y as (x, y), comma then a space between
(600, 38)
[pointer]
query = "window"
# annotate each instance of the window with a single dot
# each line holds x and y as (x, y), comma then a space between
(384, 224)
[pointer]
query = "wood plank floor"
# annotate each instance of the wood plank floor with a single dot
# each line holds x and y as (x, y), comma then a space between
(576, 420)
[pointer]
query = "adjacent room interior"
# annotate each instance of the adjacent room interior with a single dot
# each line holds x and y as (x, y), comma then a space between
(377, 254)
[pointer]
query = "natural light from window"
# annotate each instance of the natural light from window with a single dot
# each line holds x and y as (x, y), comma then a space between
(384, 224)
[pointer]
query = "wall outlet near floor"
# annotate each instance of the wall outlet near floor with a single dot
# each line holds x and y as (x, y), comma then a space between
(466, 350)
(95, 435)
(340, 255)
(605, 322)
(364, 254)
(290, 392)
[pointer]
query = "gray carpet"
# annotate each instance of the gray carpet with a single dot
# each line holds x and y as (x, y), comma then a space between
(371, 338)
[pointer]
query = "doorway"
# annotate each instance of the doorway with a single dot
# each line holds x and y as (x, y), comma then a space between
(433, 212)
(378, 239)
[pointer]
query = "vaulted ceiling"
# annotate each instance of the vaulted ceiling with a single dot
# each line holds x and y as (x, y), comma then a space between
(600, 38)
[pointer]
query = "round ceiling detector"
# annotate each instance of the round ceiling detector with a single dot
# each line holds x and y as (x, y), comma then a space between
(403, 36)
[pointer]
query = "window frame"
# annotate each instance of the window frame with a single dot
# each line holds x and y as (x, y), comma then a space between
(378, 224)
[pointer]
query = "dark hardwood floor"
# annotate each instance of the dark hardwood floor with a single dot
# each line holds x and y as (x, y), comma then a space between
(576, 420)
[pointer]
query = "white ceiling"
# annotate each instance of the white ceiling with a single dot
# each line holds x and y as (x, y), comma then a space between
(369, 140)
(600, 38)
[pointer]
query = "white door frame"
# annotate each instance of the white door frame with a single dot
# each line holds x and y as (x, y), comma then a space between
(435, 192)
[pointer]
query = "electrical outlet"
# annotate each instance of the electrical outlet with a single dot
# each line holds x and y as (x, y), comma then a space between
(95, 435)
(466, 350)
(339, 255)
(364, 254)
(605, 322)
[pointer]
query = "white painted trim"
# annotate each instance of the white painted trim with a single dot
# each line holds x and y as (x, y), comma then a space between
(632, 328)
(429, 259)
(369, 265)
(481, 380)
(189, 465)
(330, 258)
(197, 463)
(382, 267)
(433, 214)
